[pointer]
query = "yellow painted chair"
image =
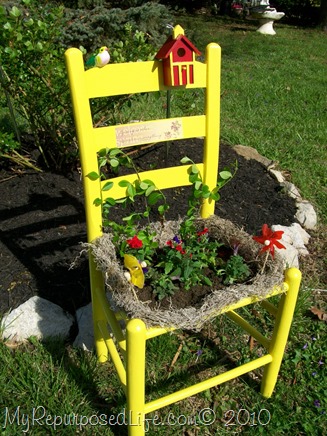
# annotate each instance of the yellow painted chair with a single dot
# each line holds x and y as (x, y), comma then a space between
(127, 347)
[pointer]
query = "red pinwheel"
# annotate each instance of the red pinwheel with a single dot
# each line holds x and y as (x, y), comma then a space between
(269, 239)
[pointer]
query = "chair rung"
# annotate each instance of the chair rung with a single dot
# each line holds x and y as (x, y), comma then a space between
(269, 307)
(248, 327)
(207, 384)
(157, 331)
(113, 353)
(111, 318)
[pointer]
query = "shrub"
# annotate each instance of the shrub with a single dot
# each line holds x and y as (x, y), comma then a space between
(34, 75)
(109, 25)
(32, 45)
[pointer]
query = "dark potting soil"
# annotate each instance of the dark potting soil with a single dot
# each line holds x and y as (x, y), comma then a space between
(42, 221)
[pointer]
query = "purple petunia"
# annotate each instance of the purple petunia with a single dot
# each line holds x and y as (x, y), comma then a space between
(176, 239)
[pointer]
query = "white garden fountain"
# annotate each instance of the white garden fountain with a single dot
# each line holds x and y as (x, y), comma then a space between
(261, 10)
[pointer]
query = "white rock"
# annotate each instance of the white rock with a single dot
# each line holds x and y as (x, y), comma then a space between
(278, 175)
(289, 255)
(300, 232)
(294, 235)
(306, 214)
(292, 190)
(36, 317)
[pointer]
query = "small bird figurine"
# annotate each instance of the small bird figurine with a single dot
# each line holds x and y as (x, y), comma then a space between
(99, 59)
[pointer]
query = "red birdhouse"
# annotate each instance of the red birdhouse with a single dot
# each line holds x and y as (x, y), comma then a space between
(178, 57)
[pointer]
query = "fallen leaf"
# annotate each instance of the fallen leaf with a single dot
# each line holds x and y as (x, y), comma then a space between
(251, 343)
(319, 313)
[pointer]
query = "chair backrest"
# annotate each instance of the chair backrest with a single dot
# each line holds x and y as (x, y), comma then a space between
(141, 77)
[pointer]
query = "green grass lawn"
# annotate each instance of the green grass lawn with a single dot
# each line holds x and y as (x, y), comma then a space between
(274, 96)
(273, 99)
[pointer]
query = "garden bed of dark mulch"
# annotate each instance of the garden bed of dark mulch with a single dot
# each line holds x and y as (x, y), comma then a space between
(42, 221)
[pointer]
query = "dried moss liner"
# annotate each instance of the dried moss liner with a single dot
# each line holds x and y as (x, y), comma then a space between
(190, 318)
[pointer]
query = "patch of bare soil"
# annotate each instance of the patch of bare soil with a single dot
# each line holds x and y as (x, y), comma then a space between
(42, 222)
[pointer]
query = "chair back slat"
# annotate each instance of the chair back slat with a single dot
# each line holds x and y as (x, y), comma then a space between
(140, 77)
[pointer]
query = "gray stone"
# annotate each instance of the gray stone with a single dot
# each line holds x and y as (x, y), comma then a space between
(294, 235)
(292, 190)
(278, 175)
(36, 317)
(85, 337)
(251, 153)
(289, 255)
(306, 214)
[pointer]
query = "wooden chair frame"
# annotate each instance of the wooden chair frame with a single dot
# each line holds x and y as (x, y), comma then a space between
(127, 347)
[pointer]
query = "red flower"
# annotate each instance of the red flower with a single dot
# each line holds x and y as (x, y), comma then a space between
(269, 239)
(180, 249)
(177, 247)
(135, 242)
(203, 232)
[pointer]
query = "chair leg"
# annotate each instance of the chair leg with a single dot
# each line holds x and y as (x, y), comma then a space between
(135, 373)
(97, 312)
(281, 330)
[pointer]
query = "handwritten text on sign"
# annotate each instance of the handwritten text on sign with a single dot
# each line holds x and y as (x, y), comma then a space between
(147, 132)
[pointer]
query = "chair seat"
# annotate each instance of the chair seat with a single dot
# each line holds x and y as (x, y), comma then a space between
(217, 301)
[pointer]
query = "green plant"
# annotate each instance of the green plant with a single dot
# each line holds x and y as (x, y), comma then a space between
(133, 46)
(10, 149)
(106, 26)
(34, 76)
(190, 257)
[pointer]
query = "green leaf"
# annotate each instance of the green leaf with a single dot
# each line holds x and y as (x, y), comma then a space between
(194, 178)
(195, 169)
(207, 281)
(97, 202)
(114, 151)
(114, 163)
(124, 183)
(215, 196)
(15, 12)
(93, 175)
(176, 272)
(144, 185)
(149, 190)
(131, 192)
(225, 175)
(7, 26)
(168, 267)
(154, 197)
(149, 182)
(163, 208)
(185, 160)
(111, 201)
(107, 186)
